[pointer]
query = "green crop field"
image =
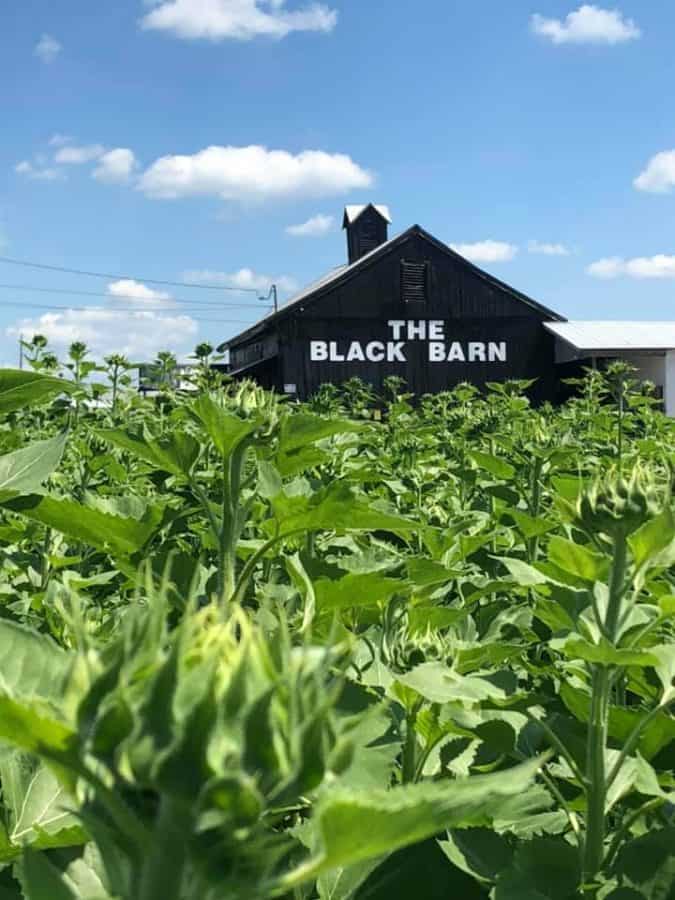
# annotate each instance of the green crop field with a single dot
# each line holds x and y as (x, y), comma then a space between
(357, 648)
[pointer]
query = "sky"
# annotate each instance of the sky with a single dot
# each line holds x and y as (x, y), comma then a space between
(216, 142)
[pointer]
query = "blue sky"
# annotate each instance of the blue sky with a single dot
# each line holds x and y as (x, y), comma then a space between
(535, 136)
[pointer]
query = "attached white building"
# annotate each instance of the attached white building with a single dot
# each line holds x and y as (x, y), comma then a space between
(649, 346)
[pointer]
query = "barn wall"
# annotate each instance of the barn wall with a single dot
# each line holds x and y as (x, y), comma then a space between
(471, 308)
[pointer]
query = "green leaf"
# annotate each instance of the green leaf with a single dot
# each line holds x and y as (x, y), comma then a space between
(19, 389)
(479, 852)
(500, 468)
(43, 881)
(604, 653)
(529, 526)
(648, 863)
(337, 508)
(31, 664)
(124, 536)
(305, 587)
(425, 572)
(302, 428)
(422, 618)
(523, 573)
(26, 469)
(438, 683)
(656, 735)
(369, 589)
(353, 827)
(32, 728)
(176, 452)
(577, 559)
(39, 808)
(567, 486)
(422, 872)
(226, 430)
(653, 537)
(665, 668)
(543, 868)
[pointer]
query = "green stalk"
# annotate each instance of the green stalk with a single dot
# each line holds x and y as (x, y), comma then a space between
(597, 782)
(616, 587)
(596, 776)
(164, 866)
(409, 763)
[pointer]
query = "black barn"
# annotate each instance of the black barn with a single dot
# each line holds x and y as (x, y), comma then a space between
(409, 306)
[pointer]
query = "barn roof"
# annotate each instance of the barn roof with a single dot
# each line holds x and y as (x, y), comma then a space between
(316, 289)
(609, 336)
(352, 213)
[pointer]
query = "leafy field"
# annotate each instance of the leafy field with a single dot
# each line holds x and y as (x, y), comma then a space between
(349, 649)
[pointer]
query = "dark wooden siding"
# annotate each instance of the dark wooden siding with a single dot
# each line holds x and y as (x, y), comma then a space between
(472, 308)
(264, 346)
(530, 350)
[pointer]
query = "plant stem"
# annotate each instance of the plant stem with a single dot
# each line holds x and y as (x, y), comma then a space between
(616, 587)
(409, 766)
(162, 873)
(596, 791)
(597, 783)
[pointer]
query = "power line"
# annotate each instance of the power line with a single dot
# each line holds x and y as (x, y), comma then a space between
(203, 287)
(76, 293)
(130, 309)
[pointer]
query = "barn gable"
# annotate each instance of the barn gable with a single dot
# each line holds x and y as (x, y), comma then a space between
(410, 307)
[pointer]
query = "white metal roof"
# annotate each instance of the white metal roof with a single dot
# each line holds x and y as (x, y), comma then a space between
(608, 335)
(354, 211)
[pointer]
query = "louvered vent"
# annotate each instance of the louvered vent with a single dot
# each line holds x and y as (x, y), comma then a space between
(414, 281)
(370, 238)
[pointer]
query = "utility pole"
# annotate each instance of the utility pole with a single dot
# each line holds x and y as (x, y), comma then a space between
(273, 296)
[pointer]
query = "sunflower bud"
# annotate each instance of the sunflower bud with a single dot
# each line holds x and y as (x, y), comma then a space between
(617, 507)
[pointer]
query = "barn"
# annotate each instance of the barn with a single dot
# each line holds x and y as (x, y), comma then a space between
(412, 307)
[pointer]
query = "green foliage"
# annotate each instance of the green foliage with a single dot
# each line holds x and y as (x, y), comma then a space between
(357, 648)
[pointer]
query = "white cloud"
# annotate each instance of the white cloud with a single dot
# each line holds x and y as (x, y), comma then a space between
(587, 25)
(659, 175)
(115, 166)
(545, 249)
(640, 267)
(138, 335)
(486, 251)
(59, 140)
(242, 20)
(253, 173)
(317, 226)
(136, 292)
(38, 173)
(244, 280)
(47, 48)
(77, 156)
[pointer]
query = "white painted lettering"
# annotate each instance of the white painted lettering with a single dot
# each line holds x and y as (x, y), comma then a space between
(497, 352)
(334, 355)
(396, 326)
(417, 330)
(318, 351)
(436, 330)
(355, 352)
(395, 352)
(456, 353)
(477, 352)
(375, 351)
(436, 351)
